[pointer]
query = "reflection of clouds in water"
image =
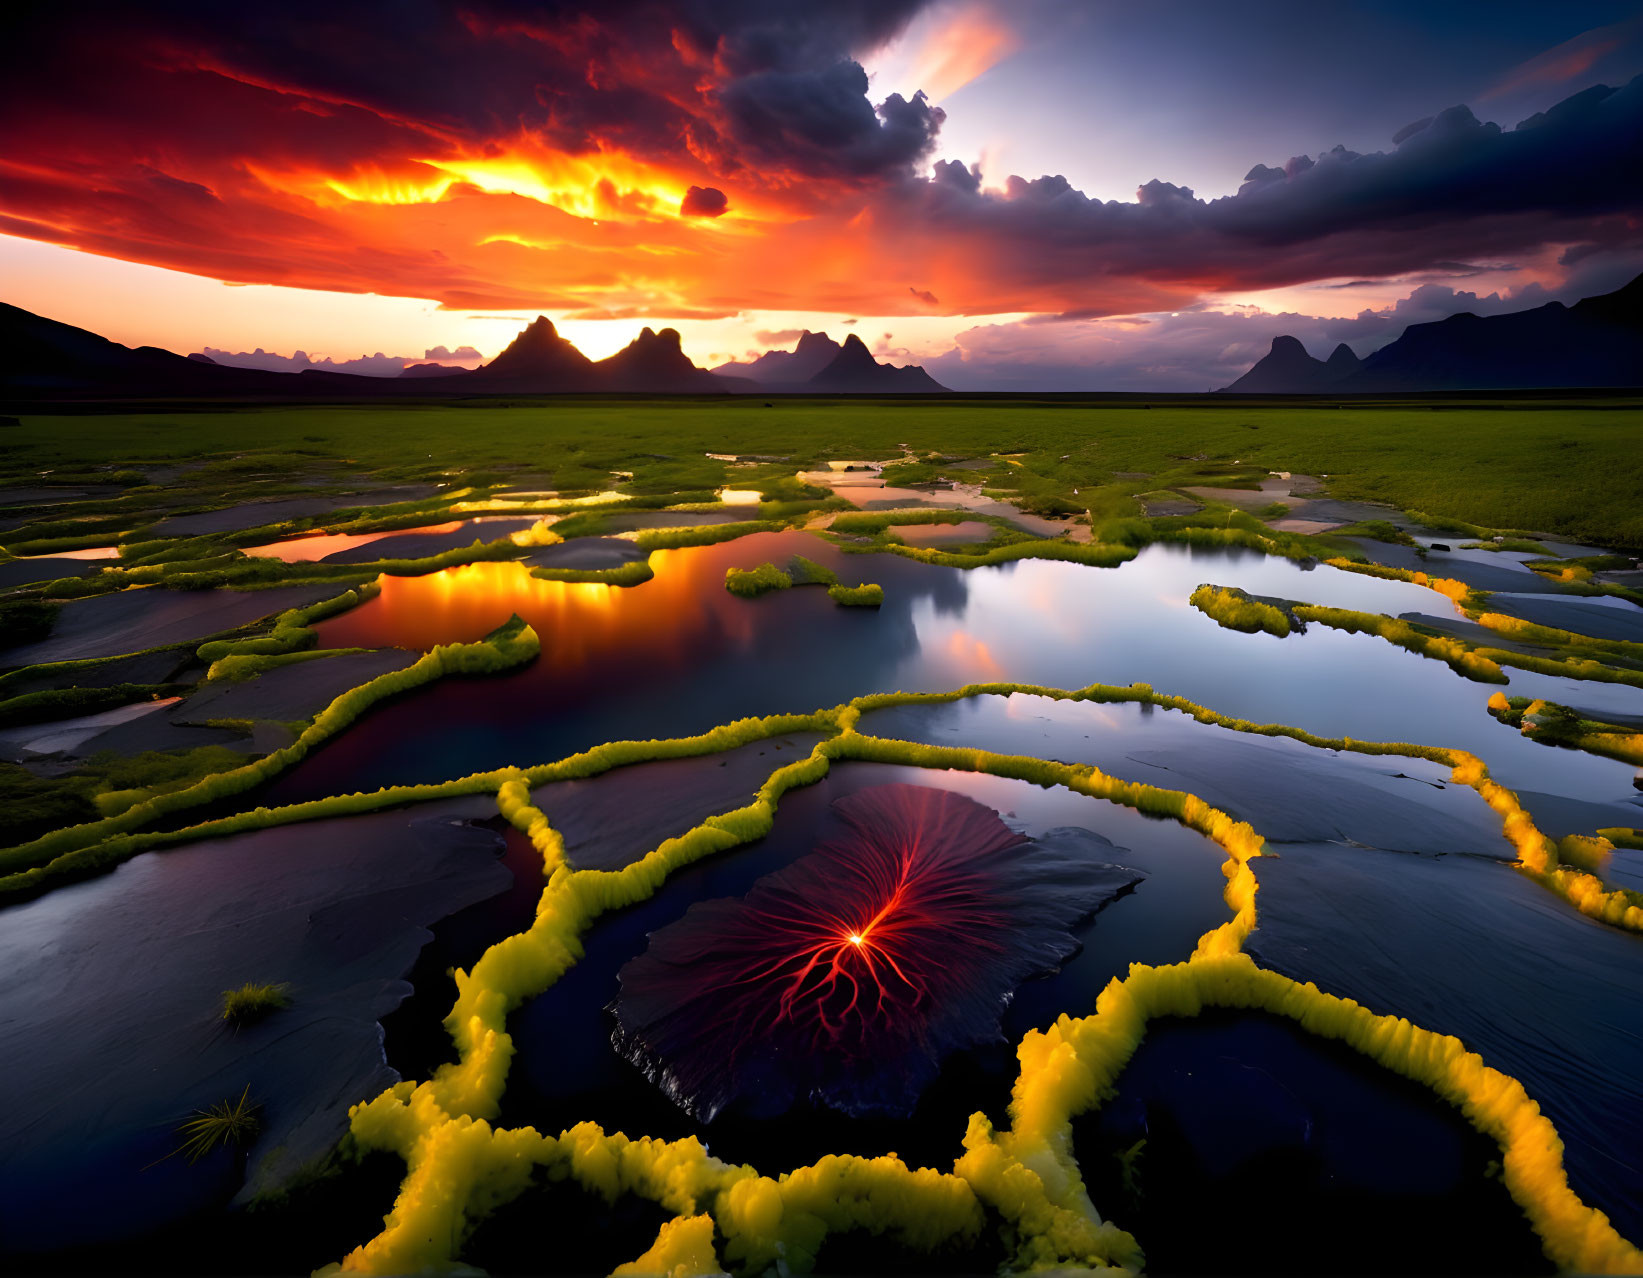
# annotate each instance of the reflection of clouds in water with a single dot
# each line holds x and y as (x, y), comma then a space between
(968, 653)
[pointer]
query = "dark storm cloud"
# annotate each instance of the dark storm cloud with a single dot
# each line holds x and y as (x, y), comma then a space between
(729, 79)
(1453, 188)
(821, 122)
(704, 201)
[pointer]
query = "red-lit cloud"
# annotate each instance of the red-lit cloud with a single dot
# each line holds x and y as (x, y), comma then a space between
(699, 158)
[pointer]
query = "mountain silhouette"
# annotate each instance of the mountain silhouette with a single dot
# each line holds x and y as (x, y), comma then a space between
(814, 352)
(655, 363)
(1597, 342)
(1287, 369)
(854, 371)
(537, 360)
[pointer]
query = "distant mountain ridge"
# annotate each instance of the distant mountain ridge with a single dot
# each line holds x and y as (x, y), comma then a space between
(818, 364)
(1596, 343)
(814, 352)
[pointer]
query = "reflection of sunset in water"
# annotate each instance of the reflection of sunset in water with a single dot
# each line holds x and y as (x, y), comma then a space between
(580, 623)
(315, 546)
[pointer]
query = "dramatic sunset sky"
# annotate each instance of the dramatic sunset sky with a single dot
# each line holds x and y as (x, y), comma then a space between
(1018, 194)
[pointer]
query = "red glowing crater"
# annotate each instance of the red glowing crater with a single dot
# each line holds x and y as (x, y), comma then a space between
(847, 976)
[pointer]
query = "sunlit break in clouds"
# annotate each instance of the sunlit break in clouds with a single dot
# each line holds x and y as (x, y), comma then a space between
(848, 976)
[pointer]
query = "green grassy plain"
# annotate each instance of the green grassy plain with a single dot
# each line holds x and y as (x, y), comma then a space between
(1572, 467)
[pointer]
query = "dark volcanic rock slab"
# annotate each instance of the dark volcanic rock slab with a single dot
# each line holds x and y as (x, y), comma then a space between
(420, 545)
(587, 554)
(1461, 946)
(24, 572)
(297, 691)
(112, 1008)
(152, 617)
(1598, 619)
(613, 819)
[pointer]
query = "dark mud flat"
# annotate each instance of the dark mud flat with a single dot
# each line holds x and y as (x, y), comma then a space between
(167, 665)
(25, 572)
(153, 617)
(130, 729)
(607, 821)
(112, 1012)
(587, 554)
(1599, 619)
(71, 738)
(1238, 1144)
(1558, 815)
(1499, 572)
(257, 513)
(419, 545)
(1470, 948)
(285, 693)
(613, 819)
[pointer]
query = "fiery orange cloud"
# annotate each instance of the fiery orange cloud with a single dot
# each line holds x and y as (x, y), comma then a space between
(485, 163)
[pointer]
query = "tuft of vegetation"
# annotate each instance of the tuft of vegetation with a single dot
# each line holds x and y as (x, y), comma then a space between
(807, 572)
(635, 573)
(1522, 545)
(26, 621)
(229, 1124)
(866, 595)
(49, 704)
(1235, 610)
(701, 534)
(1378, 530)
(254, 1001)
(749, 583)
(32, 806)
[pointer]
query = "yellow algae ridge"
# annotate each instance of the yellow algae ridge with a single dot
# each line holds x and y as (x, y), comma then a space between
(460, 1167)
(1024, 1180)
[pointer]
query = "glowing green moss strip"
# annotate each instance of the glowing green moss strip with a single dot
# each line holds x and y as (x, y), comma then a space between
(459, 1167)
(510, 645)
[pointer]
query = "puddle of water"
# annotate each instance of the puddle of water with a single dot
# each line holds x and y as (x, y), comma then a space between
(313, 547)
(962, 534)
(679, 655)
(94, 552)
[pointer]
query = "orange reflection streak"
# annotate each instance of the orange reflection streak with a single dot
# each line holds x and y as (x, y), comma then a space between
(577, 621)
(315, 546)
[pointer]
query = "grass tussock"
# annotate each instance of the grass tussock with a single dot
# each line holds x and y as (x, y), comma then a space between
(866, 595)
(635, 573)
(254, 1001)
(750, 583)
(1232, 608)
(228, 1124)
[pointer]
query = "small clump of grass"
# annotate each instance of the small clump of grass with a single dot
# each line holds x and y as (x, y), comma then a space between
(1233, 609)
(867, 595)
(227, 1124)
(253, 1001)
(751, 582)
